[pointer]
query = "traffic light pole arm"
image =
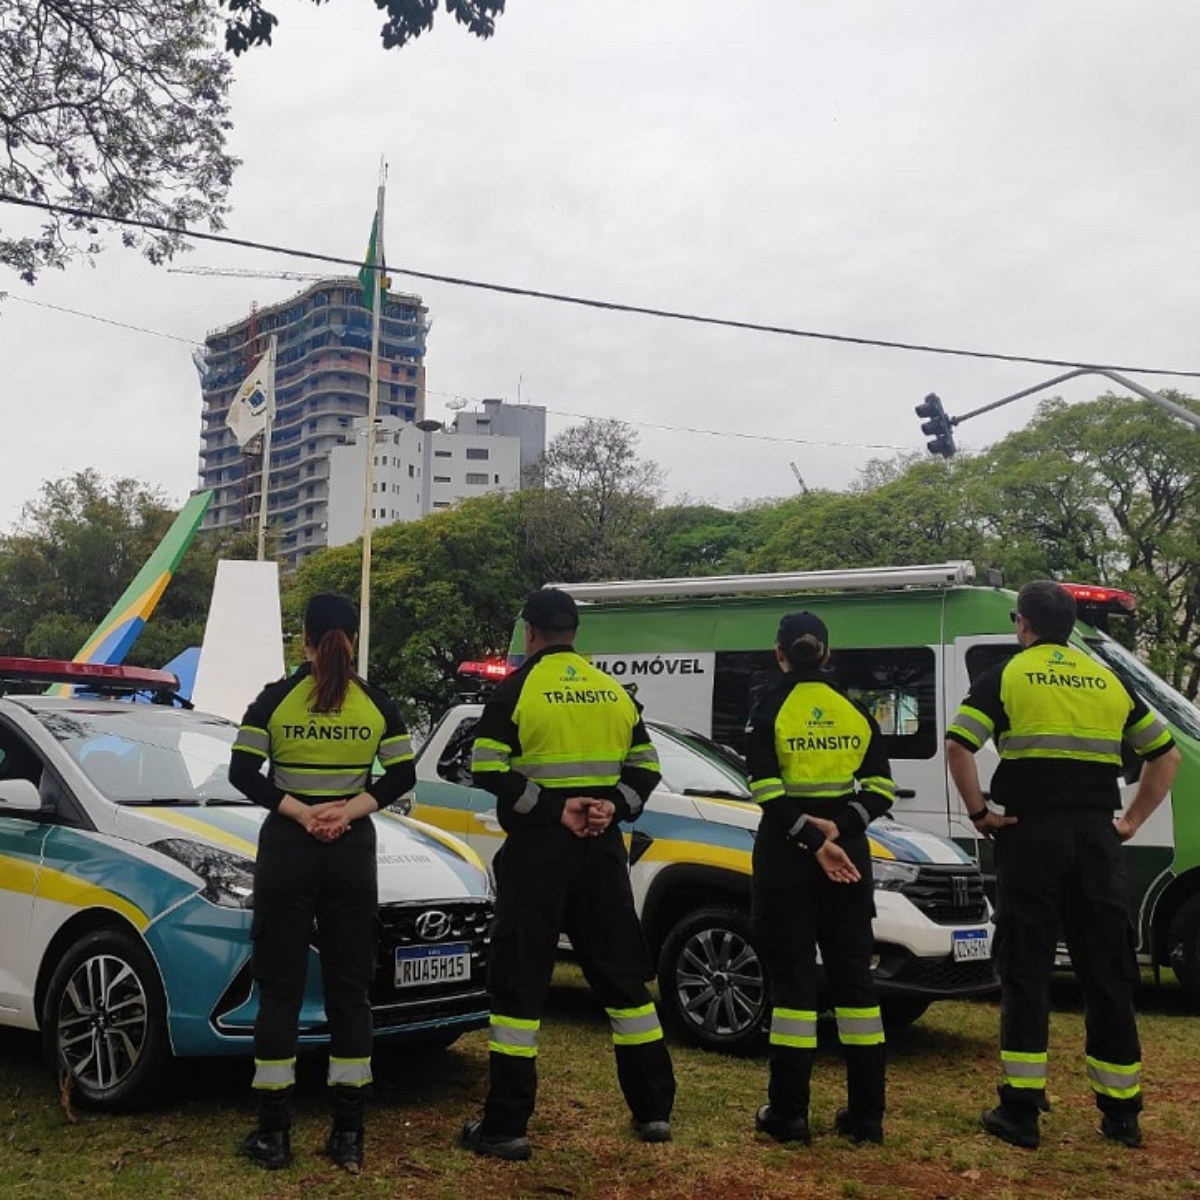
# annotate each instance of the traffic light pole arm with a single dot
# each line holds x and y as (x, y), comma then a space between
(1176, 410)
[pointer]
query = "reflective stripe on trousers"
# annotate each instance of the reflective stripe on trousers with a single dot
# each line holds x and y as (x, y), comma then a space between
(859, 1026)
(270, 1075)
(1024, 1069)
(1118, 1080)
(634, 1026)
(349, 1072)
(796, 1027)
(514, 1036)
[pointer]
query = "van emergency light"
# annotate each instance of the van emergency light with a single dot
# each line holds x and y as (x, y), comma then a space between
(1110, 599)
(944, 574)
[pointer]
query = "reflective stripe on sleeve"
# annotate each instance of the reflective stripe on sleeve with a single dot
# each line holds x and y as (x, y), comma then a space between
(1148, 734)
(515, 1036)
(489, 755)
(349, 1072)
(859, 1026)
(862, 812)
(631, 798)
(526, 801)
(253, 740)
(273, 1074)
(1024, 1069)
(881, 785)
(634, 1026)
(972, 725)
(766, 789)
(644, 756)
(395, 750)
(1119, 1080)
(795, 1027)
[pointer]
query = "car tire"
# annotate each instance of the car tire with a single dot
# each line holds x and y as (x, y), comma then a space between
(104, 1022)
(1183, 947)
(901, 1011)
(712, 982)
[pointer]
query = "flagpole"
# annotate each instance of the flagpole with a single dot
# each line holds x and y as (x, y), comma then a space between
(364, 621)
(266, 454)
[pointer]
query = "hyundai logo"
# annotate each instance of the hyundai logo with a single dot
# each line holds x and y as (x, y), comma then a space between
(434, 925)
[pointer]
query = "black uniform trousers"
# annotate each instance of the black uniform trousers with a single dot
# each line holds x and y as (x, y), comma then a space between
(298, 879)
(797, 908)
(1064, 868)
(548, 882)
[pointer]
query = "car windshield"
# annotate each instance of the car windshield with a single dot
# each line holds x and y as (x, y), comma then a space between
(144, 753)
(690, 768)
(1159, 695)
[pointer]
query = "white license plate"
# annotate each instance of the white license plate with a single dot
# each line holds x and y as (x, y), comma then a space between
(419, 966)
(971, 944)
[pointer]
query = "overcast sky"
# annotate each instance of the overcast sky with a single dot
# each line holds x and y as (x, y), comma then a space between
(1019, 178)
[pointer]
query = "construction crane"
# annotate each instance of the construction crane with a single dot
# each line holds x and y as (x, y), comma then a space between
(799, 479)
(247, 273)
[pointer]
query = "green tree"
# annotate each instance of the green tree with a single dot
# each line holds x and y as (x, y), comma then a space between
(120, 108)
(77, 547)
(252, 24)
(590, 517)
(444, 590)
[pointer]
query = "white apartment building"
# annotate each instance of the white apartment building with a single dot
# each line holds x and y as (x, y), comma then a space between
(417, 471)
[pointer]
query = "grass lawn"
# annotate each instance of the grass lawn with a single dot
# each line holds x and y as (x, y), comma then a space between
(942, 1072)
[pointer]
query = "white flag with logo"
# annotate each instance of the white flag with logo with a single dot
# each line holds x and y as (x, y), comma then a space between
(251, 407)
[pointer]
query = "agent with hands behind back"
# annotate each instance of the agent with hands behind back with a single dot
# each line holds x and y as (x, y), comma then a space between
(319, 730)
(819, 771)
(563, 748)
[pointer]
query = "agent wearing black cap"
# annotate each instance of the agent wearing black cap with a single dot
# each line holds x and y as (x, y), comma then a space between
(819, 770)
(1059, 719)
(562, 747)
(319, 731)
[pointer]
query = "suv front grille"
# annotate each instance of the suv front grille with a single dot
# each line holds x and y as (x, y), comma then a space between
(949, 895)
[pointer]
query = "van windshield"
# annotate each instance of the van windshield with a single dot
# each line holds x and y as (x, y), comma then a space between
(1163, 698)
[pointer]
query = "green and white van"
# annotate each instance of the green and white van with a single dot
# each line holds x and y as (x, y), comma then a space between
(907, 641)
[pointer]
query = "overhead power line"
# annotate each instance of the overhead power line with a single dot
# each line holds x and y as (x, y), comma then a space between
(586, 302)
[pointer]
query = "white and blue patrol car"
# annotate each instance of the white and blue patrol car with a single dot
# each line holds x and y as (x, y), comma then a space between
(126, 890)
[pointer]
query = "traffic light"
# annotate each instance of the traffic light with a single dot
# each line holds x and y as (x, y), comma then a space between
(938, 427)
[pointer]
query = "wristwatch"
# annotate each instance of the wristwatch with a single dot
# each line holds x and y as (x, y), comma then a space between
(976, 817)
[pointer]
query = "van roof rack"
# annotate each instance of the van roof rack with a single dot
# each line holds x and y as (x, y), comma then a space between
(945, 574)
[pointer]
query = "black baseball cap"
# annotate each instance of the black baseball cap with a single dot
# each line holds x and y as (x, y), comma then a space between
(551, 609)
(327, 611)
(795, 625)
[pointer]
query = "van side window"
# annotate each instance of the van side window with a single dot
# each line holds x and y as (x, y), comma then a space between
(896, 686)
(981, 658)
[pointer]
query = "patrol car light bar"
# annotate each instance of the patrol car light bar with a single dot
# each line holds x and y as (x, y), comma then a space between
(99, 675)
(1110, 599)
(490, 668)
(944, 574)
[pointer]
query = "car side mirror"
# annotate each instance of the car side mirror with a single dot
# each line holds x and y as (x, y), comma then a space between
(21, 794)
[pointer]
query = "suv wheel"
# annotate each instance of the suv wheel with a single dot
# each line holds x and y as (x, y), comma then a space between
(105, 1022)
(712, 982)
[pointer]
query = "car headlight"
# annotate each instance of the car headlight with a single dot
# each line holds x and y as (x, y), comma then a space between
(892, 876)
(228, 878)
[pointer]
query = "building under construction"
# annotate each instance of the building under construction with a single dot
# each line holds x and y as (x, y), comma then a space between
(322, 378)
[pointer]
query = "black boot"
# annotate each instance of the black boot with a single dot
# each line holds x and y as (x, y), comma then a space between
(345, 1142)
(270, 1144)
